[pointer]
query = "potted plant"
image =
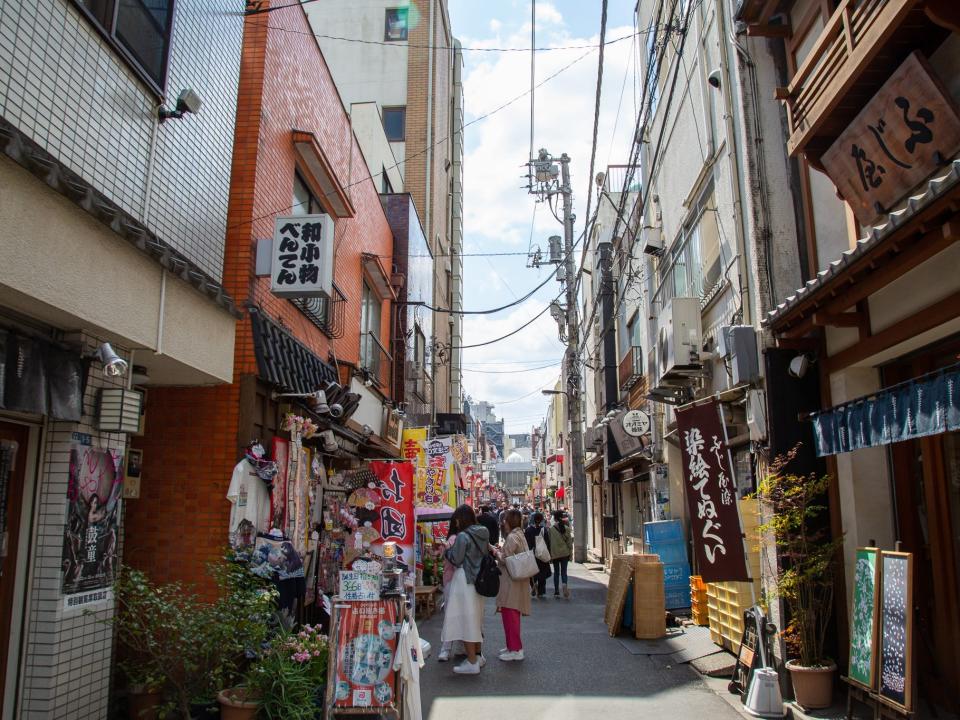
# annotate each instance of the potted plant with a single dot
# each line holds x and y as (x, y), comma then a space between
(807, 558)
(238, 703)
(290, 676)
(144, 690)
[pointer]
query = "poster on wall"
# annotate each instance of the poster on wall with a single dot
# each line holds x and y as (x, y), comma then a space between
(711, 494)
(90, 537)
(896, 629)
(362, 668)
(396, 519)
(280, 450)
(864, 628)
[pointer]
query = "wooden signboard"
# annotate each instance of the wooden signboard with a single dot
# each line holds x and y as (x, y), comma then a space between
(895, 674)
(863, 631)
(899, 138)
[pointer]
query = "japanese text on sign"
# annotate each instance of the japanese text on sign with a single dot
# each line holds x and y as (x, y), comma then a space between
(302, 256)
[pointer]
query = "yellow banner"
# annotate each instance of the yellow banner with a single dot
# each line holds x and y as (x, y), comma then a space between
(412, 447)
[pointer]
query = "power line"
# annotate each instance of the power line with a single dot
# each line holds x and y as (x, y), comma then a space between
(511, 372)
(596, 112)
(425, 150)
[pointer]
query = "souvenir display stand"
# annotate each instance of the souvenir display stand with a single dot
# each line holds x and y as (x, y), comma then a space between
(433, 527)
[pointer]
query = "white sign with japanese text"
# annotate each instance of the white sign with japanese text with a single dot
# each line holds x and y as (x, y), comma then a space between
(302, 261)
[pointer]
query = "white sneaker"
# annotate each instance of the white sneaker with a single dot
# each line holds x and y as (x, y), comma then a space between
(443, 655)
(511, 656)
(482, 660)
(467, 668)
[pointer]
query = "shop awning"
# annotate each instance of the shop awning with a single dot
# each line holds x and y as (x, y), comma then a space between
(927, 405)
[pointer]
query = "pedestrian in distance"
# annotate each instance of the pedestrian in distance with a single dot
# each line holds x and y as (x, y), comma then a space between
(512, 600)
(448, 571)
(463, 612)
(560, 540)
(535, 528)
(489, 520)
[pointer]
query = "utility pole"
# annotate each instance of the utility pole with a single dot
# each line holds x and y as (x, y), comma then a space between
(571, 367)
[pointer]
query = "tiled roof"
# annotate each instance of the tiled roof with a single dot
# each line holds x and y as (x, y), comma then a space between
(286, 362)
(944, 181)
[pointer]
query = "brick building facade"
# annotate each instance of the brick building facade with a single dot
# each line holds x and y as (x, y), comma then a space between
(291, 123)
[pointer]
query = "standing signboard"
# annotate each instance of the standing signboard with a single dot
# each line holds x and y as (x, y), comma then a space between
(711, 494)
(863, 632)
(896, 630)
(365, 645)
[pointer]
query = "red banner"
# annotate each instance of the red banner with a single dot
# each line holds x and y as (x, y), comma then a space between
(711, 494)
(396, 520)
(366, 645)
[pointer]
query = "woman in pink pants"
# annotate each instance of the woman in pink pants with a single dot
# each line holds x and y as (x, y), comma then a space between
(513, 599)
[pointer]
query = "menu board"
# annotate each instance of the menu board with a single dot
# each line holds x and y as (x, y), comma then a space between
(863, 631)
(896, 629)
(361, 668)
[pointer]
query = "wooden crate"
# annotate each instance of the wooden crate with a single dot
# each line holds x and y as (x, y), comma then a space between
(649, 615)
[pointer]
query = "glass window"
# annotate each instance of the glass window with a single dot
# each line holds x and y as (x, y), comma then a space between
(710, 250)
(140, 27)
(395, 25)
(370, 306)
(395, 123)
(304, 201)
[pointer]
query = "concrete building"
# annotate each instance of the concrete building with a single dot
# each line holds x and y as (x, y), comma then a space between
(112, 229)
(408, 71)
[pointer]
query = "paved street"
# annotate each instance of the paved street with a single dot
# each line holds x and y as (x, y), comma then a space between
(573, 670)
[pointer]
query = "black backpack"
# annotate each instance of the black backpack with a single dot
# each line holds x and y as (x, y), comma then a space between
(488, 577)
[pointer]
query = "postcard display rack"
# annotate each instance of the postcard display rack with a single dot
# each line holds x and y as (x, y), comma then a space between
(881, 674)
(365, 634)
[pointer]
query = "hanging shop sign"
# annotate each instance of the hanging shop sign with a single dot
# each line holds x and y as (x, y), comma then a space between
(366, 642)
(436, 487)
(636, 423)
(302, 256)
(395, 522)
(711, 494)
(899, 138)
(93, 515)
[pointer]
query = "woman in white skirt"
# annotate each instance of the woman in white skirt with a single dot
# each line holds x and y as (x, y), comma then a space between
(463, 611)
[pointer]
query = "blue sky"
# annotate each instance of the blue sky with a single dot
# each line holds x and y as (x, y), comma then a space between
(498, 213)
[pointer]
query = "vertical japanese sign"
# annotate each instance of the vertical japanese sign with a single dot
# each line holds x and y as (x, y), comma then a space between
(411, 447)
(366, 642)
(437, 487)
(711, 496)
(302, 256)
(396, 522)
(898, 139)
(93, 515)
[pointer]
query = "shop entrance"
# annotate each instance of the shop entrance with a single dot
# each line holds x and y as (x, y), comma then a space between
(13, 460)
(927, 493)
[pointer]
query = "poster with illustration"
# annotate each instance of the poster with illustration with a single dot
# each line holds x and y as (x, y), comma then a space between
(275, 555)
(362, 668)
(280, 451)
(93, 513)
(864, 627)
(896, 629)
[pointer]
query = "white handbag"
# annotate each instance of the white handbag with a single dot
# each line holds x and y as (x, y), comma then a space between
(542, 551)
(522, 565)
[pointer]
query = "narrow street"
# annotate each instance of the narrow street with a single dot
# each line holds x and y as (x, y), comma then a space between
(573, 669)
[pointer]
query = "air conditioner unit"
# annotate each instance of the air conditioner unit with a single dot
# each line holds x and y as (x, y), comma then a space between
(679, 338)
(652, 240)
(739, 343)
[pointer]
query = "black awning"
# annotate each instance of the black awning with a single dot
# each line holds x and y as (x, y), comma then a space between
(927, 405)
(284, 361)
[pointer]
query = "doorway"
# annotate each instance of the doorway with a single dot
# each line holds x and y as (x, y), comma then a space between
(926, 477)
(13, 461)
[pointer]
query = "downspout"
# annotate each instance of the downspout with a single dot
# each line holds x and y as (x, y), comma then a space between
(733, 153)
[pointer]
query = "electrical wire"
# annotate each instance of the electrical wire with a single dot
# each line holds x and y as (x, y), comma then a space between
(511, 372)
(596, 110)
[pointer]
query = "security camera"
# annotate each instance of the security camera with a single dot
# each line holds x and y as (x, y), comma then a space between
(714, 78)
(367, 431)
(336, 410)
(113, 364)
(798, 366)
(187, 102)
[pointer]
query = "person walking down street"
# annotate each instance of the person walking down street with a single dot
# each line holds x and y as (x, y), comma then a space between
(489, 520)
(512, 600)
(448, 571)
(560, 540)
(463, 614)
(538, 583)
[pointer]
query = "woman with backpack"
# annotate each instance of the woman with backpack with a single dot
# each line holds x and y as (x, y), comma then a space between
(536, 528)
(463, 612)
(512, 600)
(560, 540)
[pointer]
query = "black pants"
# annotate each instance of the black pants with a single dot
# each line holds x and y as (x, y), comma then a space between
(539, 581)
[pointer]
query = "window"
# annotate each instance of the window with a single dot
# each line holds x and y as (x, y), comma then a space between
(395, 25)
(694, 263)
(140, 29)
(395, 123)
(304, 201)
(370, 305)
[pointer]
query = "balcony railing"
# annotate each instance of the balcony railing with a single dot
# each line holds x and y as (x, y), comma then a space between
(631, 368)
(325, 313)
(375, 359)
(823, 97)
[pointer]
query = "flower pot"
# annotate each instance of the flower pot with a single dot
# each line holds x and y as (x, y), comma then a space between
(205, 710)
(236, 705)
(142, 702)
(812, 686)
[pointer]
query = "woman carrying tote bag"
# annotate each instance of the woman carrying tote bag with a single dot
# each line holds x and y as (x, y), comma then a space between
(513, 601)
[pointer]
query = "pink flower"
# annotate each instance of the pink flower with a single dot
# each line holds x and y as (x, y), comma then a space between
(302, 656)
